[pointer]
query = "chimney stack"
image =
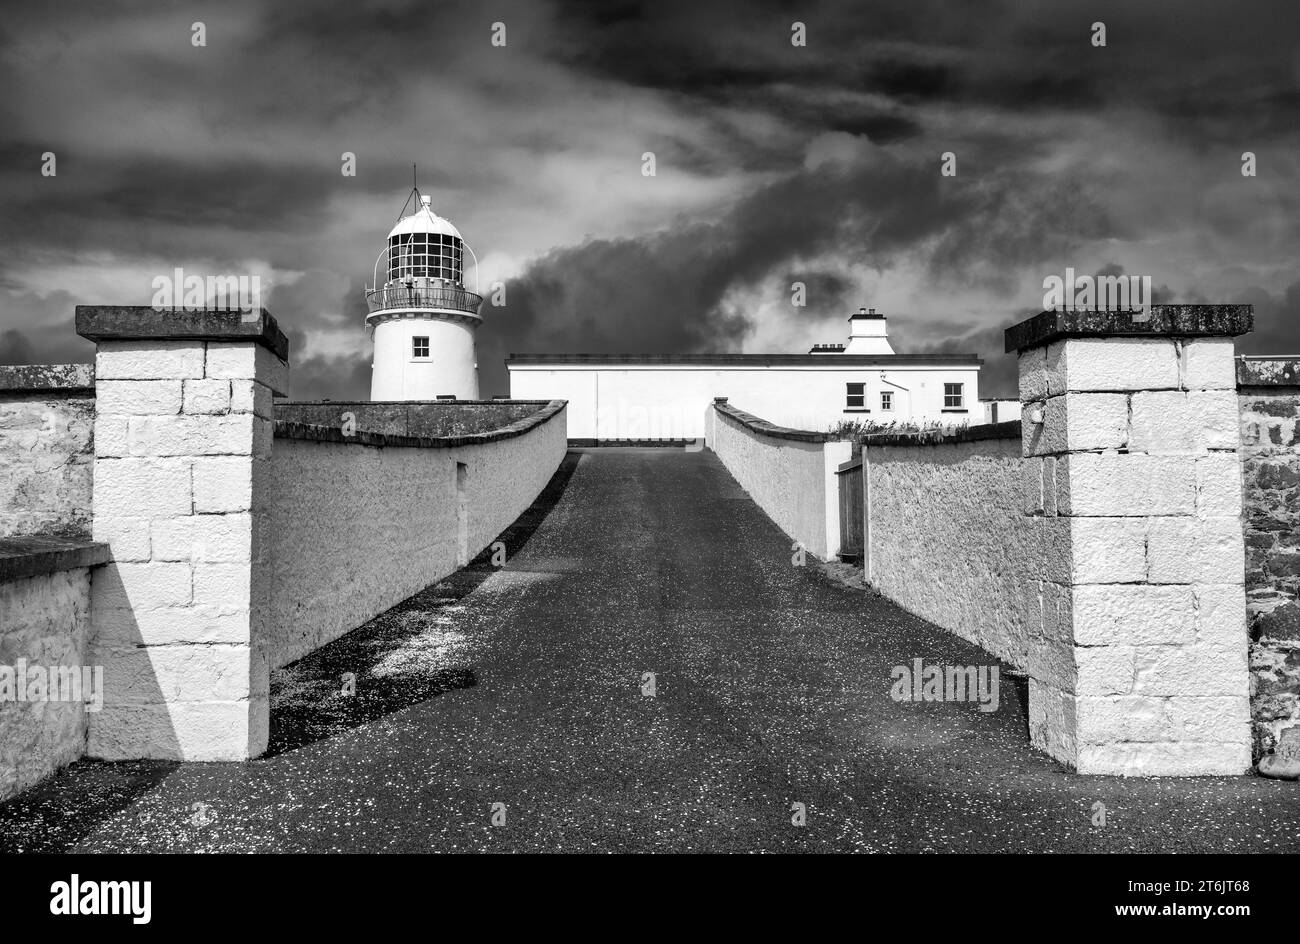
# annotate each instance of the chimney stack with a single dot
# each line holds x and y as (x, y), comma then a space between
(868, 333)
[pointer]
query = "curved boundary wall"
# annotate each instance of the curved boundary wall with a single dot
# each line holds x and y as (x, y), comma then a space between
(360, 523)
(946, 537)
(789, 473)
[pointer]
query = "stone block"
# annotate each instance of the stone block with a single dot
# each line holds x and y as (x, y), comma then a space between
(1117, 364)
(249, 396)
(223, 538)
(1052, 725)
(1209, 364)
(137, 487)
(138, 397)
(207, 396)
(1133, 615)
(111, 436)
(171, 538)
(1220, 615)
(1079, 421)
(1103, 670)
(1218, 719)
(1190, 670)
(148, 360)
(1181, 759)
(1195, 550)
(201, 625)
(1120, 718)
(192, 435)
(141, 586)
(223, 483)
(1054, 552)
(1031, 486)
(1032, 365)
(194, 731)
(1125, 485)
(1184, 421)
(1107, 550)
(175, 673)
(127, 537)
(1218, 485)
(242, 361)
(218, 584)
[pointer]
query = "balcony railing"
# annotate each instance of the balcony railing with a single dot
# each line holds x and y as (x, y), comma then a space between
(423, 296)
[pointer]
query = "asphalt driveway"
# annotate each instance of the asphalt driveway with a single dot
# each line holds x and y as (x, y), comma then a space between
(511, 709)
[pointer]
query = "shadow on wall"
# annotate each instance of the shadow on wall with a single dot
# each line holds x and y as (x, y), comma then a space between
(396, 660)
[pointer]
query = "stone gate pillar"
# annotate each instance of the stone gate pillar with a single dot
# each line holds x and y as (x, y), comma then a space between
(182, 438)
(1130, 461)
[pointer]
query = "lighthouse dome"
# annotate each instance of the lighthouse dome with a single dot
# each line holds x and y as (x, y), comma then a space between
(424, 248)
(423, 220)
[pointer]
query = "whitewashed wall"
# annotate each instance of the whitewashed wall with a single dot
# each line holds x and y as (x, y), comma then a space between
(672, 402)
(45, 622)
(358, 528)
(947, 539)
(791, 479)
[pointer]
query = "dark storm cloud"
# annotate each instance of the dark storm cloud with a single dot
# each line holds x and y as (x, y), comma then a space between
(1277, 322)
(778, 163)
(663, 293)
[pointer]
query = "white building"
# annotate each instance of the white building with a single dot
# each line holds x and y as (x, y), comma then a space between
(615, 396)
(423, 319)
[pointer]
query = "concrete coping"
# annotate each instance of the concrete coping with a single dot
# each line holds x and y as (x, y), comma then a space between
(55, 378)
(1165, 321)
(42, 554)
(142, 323)
(1007, 430)
(764, 428)
(1270, 371)
(285, 429)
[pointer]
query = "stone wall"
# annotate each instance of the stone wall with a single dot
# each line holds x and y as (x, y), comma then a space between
(359, 524)
(789, 473)
(1269, 396)
(44, 624)
(46, 621)
(946, 538)
(425, 418)
(46, 449)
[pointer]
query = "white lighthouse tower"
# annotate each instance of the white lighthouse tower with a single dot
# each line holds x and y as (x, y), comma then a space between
(423, 319)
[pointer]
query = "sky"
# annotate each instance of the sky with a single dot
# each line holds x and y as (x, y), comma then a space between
(774, 163)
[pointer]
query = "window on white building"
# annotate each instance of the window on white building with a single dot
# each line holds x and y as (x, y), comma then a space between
(886, 400)
(420, 348)
(953, 398)
(855, 396)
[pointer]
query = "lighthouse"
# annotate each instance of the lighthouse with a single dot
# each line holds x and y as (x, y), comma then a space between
(422, 318)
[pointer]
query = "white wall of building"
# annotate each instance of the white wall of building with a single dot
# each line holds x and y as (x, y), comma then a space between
(671, 402)
(451, 368)
(1000, 411)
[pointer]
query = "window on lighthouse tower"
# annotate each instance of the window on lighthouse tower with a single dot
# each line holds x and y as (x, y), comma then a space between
(420, 348)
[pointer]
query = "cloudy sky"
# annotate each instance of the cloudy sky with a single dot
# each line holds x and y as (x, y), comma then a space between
(774, 163)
